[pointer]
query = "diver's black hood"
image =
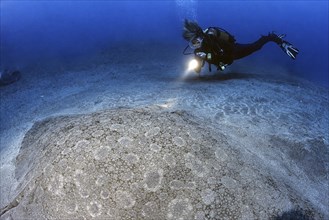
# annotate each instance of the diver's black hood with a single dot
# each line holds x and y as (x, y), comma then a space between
(191, 30)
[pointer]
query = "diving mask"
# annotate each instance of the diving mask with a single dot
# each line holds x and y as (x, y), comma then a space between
(196, 42)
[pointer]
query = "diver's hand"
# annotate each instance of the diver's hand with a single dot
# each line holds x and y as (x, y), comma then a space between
(201, 63)
(200, 59)
(201, 55)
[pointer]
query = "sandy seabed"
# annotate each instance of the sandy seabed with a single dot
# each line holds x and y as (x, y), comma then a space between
(134, 138)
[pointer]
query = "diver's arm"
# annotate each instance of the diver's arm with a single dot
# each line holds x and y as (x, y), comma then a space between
(200, 56)
(211, 52)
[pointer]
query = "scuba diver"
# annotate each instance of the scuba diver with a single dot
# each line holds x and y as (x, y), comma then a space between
(216, 46)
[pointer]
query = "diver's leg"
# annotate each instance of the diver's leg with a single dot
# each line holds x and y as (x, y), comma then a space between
(243, 50)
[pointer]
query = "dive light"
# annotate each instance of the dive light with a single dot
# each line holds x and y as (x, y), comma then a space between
(193, 64)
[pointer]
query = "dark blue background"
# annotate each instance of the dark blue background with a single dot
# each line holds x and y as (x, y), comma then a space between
(32, 31)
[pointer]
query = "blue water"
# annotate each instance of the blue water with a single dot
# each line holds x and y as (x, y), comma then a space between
(34, 31)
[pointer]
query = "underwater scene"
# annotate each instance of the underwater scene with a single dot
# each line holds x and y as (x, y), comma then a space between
(164, 110)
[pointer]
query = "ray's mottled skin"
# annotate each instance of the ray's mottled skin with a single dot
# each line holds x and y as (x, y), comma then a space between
(140, 164)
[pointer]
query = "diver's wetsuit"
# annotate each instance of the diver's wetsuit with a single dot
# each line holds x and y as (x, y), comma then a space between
(216, 46)
(223, 48)
(243, 50)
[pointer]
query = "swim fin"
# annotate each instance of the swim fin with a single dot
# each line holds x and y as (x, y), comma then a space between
(289, 49)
